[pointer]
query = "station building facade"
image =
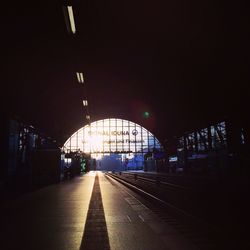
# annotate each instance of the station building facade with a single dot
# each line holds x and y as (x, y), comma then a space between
(114, 143)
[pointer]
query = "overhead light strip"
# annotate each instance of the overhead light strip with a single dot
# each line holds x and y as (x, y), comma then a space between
(71, 19)
(85, 103)
(78, 76)
(81, 78)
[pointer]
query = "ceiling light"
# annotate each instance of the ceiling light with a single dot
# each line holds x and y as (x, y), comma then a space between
(85, 103)
(80, 78)
(71, 19)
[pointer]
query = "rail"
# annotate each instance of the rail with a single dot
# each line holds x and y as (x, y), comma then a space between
(193, 224)
(157, 180)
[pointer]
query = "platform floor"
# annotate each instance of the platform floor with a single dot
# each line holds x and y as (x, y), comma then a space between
(87, 212)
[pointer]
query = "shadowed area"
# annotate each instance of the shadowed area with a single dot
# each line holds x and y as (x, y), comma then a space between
(49, 218)
(95, 234)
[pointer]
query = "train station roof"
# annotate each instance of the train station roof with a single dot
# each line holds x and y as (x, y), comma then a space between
(182, 63)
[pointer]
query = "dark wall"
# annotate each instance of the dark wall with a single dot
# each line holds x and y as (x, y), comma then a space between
(29, 159)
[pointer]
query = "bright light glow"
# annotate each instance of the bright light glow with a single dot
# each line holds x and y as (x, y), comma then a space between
(81, 78)
(68, 160)
(85, 103)
(110, 135)
(146, 114)
(78, 76)
(95, 143)
(71, 19)
(88, 117)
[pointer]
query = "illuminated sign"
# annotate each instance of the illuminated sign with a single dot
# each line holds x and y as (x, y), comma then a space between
(134, 132)
(92, 133)
(118, 141)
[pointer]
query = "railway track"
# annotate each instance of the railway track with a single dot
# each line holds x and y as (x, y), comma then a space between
(204, 235)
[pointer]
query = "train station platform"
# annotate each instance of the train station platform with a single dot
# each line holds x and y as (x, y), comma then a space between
(87, 212)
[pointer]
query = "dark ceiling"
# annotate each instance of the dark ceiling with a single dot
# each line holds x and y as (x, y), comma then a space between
(185, 62)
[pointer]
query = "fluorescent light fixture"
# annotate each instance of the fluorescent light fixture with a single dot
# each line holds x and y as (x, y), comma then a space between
(85, 103)
(71, 19)
(80, 78)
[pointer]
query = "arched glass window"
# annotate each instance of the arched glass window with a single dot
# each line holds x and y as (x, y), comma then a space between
(112, 136)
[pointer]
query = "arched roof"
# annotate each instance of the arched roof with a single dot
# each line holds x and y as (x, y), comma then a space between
(112, 136)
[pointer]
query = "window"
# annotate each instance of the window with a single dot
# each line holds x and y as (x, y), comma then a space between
(112, 135)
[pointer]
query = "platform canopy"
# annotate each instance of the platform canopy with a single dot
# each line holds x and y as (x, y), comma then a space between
(111, 136)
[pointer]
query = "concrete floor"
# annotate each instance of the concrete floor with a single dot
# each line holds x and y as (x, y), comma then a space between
(87, 212)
